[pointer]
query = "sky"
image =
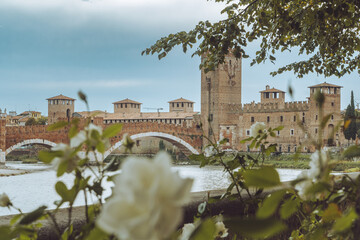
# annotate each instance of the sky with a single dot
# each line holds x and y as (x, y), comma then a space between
(57, 47)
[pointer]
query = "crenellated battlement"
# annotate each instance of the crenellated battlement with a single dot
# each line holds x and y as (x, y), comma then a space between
(296, 106)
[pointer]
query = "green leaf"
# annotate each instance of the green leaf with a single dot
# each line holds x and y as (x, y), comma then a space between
(73, 131)
(352, 151)
(62, 190)
(112, 130)
(270, 204)
(279, 128)
(33, 216)
(62, 168)
(255, 228)
(331, 213)
(344, 223)
(205, 231)
(289, 207)
(57, 126)
(97, 234)
(5, 233)
(67, 233)
(47, 157)
(100, 146)
(263, 177)
(246, 140)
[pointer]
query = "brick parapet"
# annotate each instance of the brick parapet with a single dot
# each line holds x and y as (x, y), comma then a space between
(296, 106)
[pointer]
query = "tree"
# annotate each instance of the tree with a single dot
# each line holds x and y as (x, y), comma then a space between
(30, 122)
(350, 130)
(325, 32)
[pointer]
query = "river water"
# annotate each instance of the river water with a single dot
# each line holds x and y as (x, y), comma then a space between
(29, 191)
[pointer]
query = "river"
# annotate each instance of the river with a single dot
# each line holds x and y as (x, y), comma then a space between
(31, 190)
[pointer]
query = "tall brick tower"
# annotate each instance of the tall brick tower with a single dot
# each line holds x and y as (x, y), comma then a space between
(60, 107)
(331, 106)
(221, 100)
(2, 140)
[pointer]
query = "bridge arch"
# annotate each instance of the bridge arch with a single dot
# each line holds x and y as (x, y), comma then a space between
(181, 144)
(30, 141)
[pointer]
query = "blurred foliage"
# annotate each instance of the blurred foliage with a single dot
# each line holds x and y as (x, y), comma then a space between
(325, 33)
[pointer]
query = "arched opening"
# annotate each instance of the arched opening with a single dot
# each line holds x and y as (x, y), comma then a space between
(19, 148)
(183, 146)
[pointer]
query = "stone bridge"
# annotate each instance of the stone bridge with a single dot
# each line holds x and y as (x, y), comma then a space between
(187, 139)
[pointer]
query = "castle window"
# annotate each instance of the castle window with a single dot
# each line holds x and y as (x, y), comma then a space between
(281, 118)
(210, 117)
(289, 148)
(173, 104)
(291, 132)
(278, 133)
(316, 130)
(280, 148)
(247, 132)
(182, 104)
(294, 148)
(332, 117)
(332, 104)
(268, 119)
(295, 118)
(248, 148)
(125, 105)
(335, 90)
(177, 105)
(316, 117)
(329, 90)
(252, 119)
(267, 95)
(275, 95)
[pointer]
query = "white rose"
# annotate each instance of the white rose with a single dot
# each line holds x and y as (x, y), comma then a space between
(317, 164)
(187, 230)
(221, 230)
(257, 128)
(303, 186)
(92, 127)
(67, 155)
(146, 201)
(4, 200)
(209, 151)
(78, 139)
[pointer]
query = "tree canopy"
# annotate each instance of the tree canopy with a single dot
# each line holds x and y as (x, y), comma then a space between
(324, 32)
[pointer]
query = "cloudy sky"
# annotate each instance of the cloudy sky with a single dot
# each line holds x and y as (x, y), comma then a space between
(62, 46)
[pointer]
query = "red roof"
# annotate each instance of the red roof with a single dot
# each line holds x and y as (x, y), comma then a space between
(61, 97)
(181, 100)
(325, 84)
(127, 101)
(271, 90)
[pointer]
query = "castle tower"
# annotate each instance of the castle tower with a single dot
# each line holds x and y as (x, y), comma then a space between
(331, 106)
(2, 140)
(181, 105)
(60, 107)
(221, 100)
(272, 95)
(127, 106)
